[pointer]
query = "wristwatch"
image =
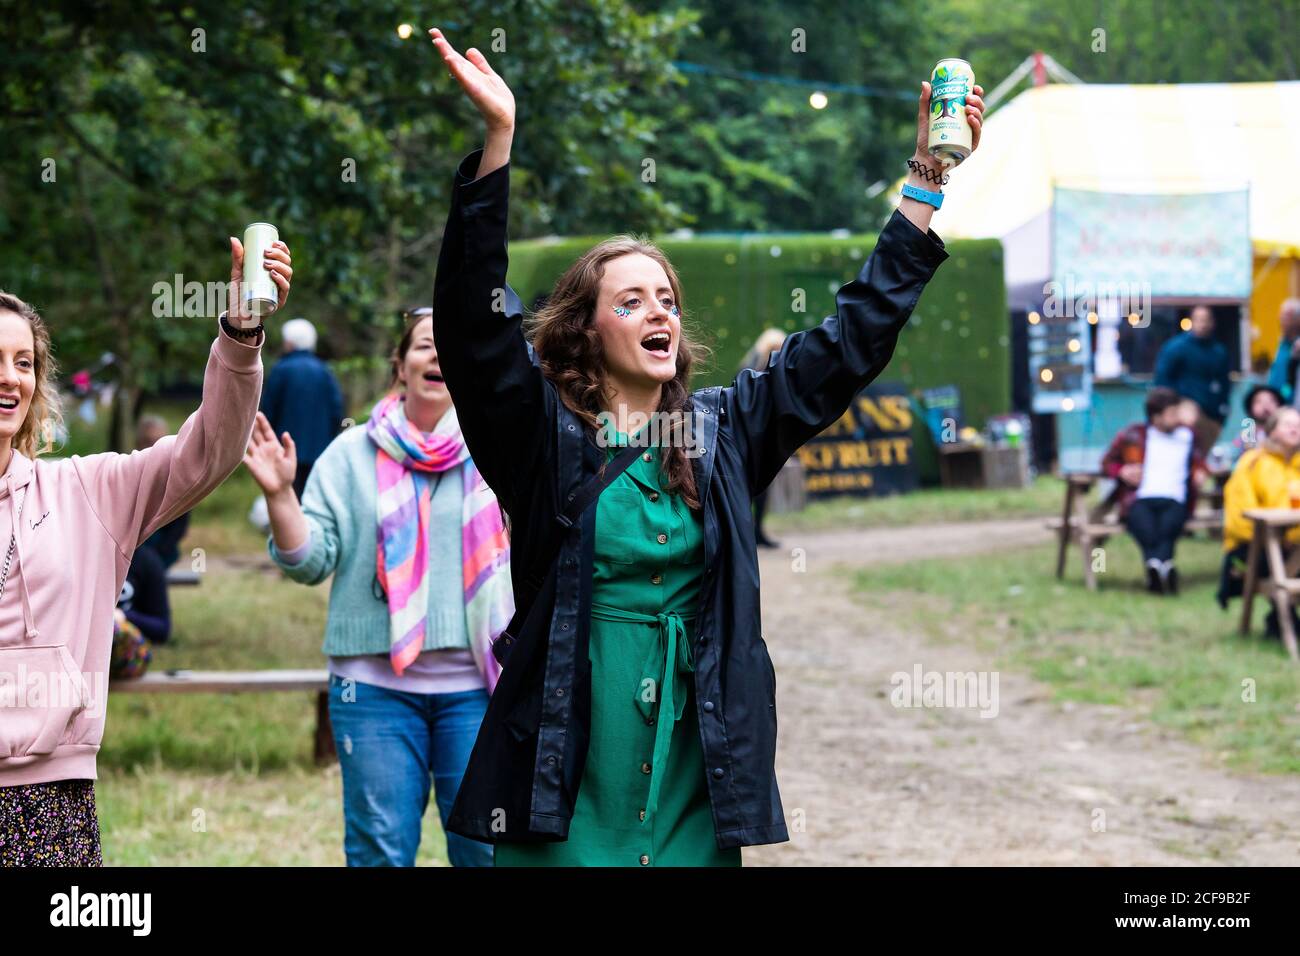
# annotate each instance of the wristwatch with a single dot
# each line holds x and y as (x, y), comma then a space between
(922, 195)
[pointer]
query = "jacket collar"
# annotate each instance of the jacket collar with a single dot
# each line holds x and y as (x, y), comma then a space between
(18, 475)
(708, 403)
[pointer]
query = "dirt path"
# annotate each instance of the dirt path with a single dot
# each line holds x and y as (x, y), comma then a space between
(876, 784)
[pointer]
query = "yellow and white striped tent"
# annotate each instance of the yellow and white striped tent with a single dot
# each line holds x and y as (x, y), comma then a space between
(1184, 138)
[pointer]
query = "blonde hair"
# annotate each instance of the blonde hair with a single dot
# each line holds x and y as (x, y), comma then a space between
(35, 435)
(1276, 418)
(760, 353)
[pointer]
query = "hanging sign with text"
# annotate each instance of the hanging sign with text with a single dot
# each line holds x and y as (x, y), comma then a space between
(868, 451)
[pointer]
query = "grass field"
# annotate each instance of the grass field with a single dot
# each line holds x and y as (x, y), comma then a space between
(1178, 659)
(228, 779)
(926, 506)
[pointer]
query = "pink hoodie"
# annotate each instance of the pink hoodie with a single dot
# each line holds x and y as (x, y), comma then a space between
(81, 520)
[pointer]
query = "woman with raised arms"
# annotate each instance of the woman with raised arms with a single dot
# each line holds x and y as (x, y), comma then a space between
(635, 719)
(68, 529)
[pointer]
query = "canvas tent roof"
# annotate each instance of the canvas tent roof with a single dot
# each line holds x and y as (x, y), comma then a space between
(1186, 138)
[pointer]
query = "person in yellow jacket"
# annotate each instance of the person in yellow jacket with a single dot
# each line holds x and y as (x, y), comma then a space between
(1267, 476)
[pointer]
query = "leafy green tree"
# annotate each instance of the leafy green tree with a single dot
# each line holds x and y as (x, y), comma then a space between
(140, 135)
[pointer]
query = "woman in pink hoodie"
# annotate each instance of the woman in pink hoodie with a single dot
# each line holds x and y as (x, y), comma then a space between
(68, 528)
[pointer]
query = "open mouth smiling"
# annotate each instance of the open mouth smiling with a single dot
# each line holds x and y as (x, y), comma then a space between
(660, 343)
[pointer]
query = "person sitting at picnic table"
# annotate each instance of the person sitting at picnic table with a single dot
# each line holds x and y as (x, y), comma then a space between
(166, 541)
(1158, 469)
(1267, 476)
(143, 599)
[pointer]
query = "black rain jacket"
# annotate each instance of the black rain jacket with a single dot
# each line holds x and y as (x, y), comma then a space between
(527, 764)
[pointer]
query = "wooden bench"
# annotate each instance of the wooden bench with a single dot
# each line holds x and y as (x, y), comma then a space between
(1282, 584)
(243, 682)
(1090, 527)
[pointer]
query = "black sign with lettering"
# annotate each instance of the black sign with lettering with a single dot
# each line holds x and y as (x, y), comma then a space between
(868, 451)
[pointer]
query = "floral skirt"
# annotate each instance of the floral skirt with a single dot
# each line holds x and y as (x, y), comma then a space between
(49, 824)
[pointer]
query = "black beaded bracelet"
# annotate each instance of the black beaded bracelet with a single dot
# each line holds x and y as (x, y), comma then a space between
(241, 333)
(926, 173)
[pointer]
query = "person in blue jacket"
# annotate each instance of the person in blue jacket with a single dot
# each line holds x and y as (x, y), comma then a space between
(1280, 375)
(1195, 366)
(302, 397)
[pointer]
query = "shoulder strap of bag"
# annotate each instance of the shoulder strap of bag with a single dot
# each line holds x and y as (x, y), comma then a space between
(583, 499)
(589, 492)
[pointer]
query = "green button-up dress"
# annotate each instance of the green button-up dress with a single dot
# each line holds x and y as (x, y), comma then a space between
(643, 800)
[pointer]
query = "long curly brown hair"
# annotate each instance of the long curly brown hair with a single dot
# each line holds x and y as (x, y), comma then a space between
(568, 345)
(44, 416)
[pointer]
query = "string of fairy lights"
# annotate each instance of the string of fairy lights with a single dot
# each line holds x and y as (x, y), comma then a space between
(817, 99)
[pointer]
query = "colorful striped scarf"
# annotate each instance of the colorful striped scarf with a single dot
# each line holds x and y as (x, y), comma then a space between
(402, 535)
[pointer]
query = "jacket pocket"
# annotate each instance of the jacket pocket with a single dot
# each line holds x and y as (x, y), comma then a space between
(630, 538)
(41, 693)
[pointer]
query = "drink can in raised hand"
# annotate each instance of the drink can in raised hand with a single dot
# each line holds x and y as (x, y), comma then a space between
(951, 82)
(261, 295)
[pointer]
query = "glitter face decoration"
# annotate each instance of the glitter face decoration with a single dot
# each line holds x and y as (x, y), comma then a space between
(623, 311)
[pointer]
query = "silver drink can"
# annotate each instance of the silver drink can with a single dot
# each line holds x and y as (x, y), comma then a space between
(261, 295)
(951, 82)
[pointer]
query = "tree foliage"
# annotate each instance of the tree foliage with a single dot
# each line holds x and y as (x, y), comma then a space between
(138, 136)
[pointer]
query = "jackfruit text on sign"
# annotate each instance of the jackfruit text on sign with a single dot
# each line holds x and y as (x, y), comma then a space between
(868, 451)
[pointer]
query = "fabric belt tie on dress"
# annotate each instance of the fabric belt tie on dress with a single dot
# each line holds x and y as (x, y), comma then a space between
(658, 697)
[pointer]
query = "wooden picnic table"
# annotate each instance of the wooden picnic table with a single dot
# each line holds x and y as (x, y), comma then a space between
(243, 682)
(1282, 583)
(1081, 524)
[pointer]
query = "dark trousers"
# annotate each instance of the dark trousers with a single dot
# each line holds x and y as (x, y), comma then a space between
(1155, 524)
(1232, 575)
(1232, 583)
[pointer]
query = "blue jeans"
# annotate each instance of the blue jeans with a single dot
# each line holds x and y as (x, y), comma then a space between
(391, 746)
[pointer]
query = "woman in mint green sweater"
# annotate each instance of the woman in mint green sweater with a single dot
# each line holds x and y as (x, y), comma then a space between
(397, 512)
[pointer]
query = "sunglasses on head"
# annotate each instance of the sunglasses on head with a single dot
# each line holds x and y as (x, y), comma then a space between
(420, 313)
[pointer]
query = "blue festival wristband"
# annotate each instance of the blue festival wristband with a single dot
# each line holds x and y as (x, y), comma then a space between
(922, 195)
